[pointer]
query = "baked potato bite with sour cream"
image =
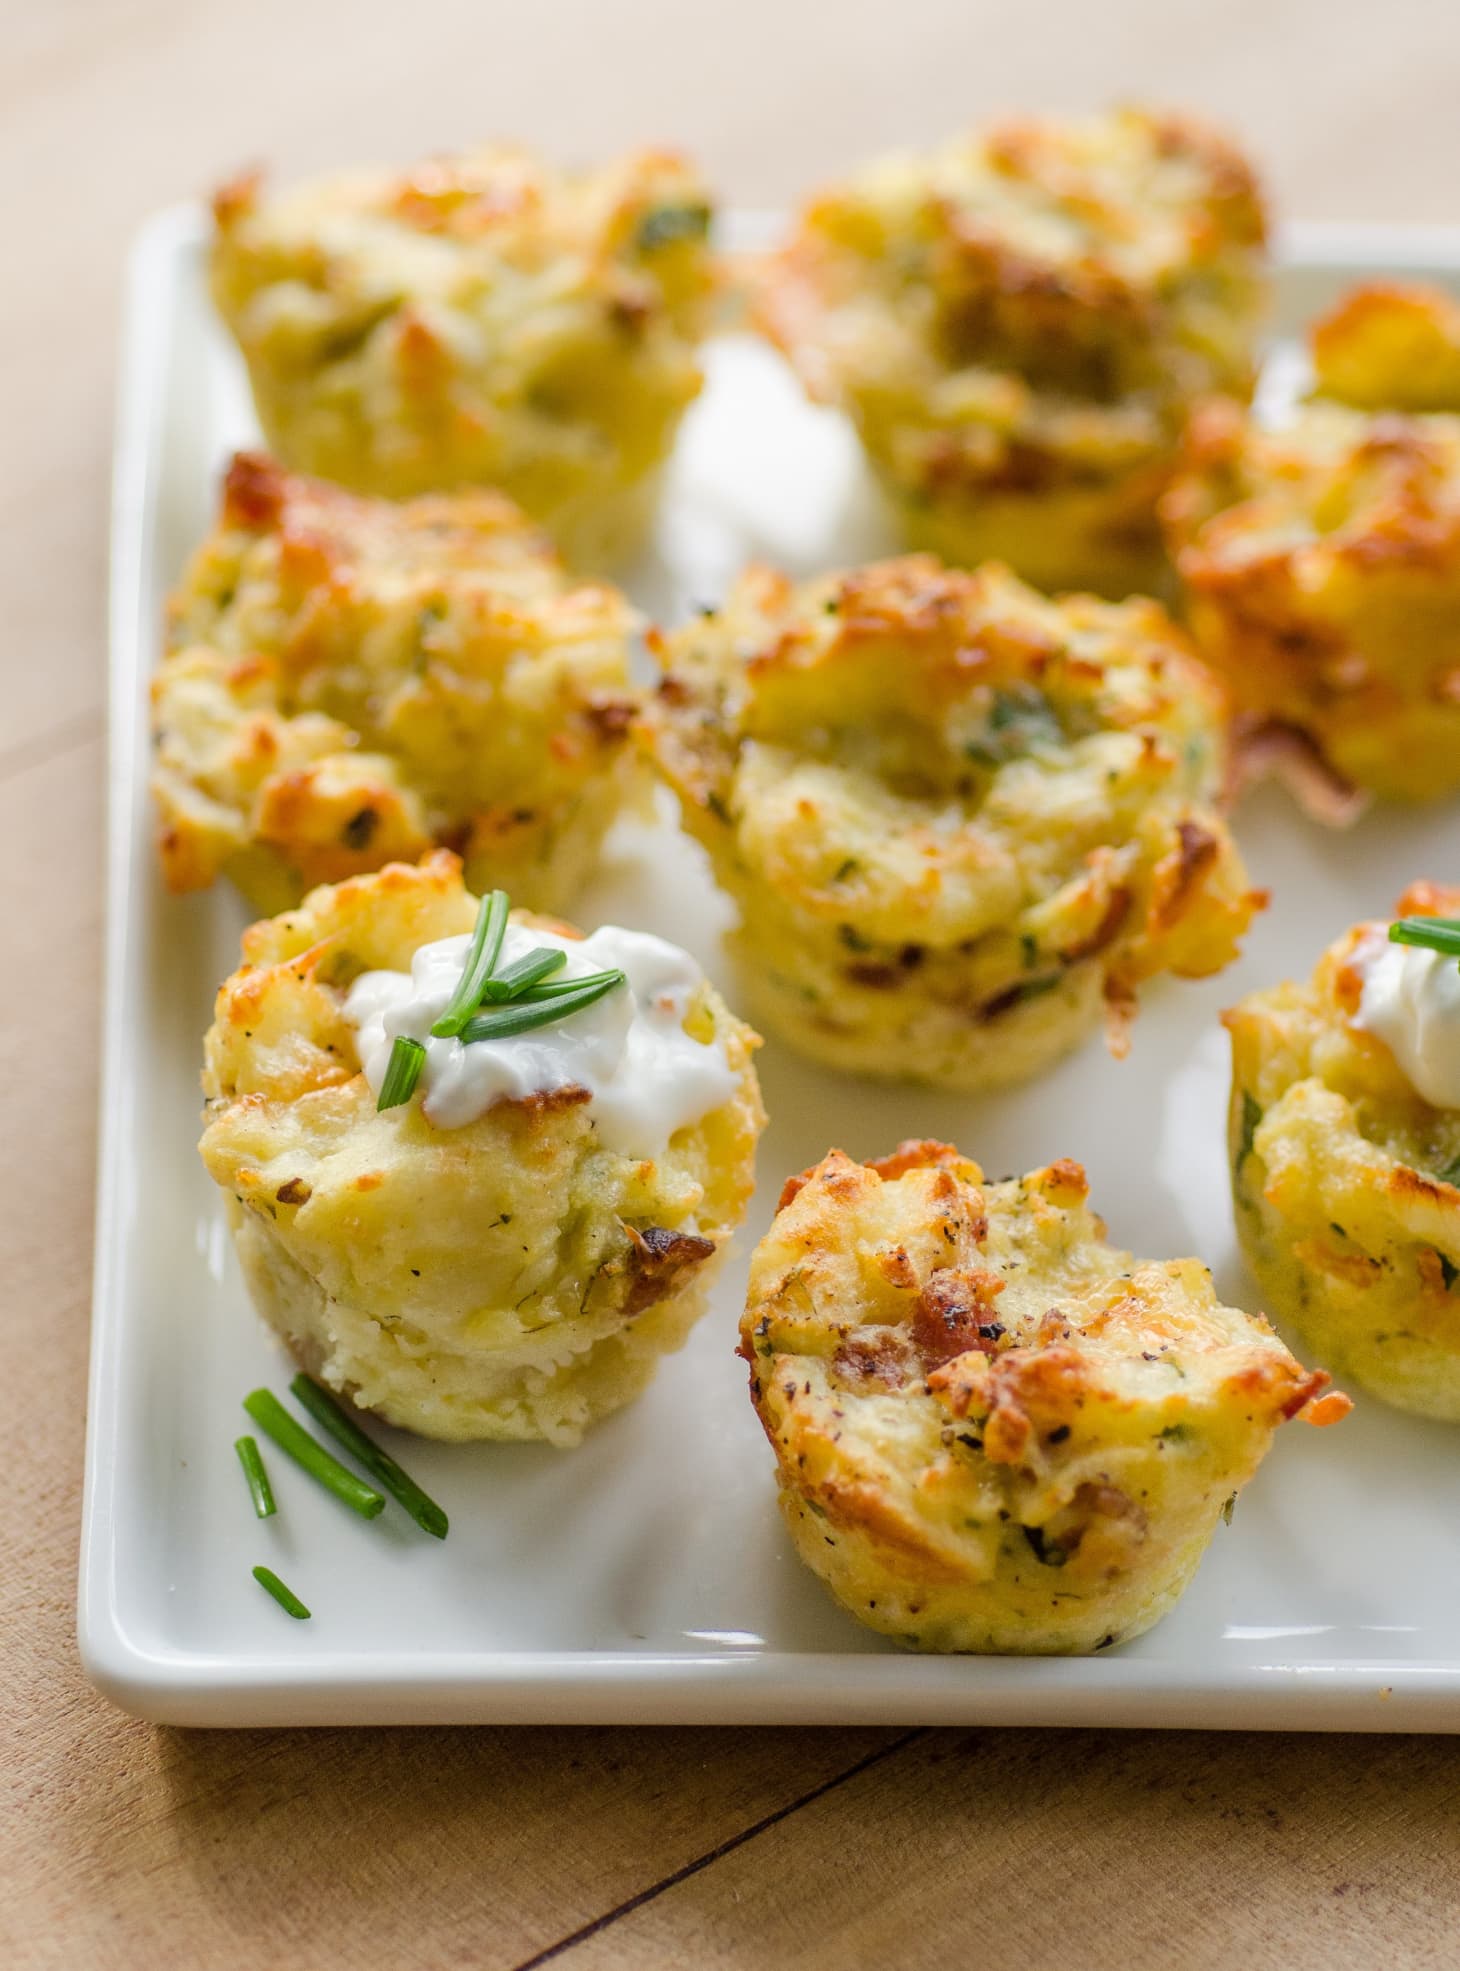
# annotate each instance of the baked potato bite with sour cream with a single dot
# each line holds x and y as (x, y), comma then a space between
(1321, 552)
(1018, 324)
(1345, 1147)
(501, 1241)
(480, 320)
(994, 1431)
(349, 681)
(958, 817)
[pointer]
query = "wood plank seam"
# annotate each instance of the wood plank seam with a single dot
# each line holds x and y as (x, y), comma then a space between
(718, 1853)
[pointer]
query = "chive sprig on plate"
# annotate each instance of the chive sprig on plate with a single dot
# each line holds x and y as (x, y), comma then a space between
(259, 1488)
(381, 1466)
(295, 1442)
(271, 1416)
(285, 1597)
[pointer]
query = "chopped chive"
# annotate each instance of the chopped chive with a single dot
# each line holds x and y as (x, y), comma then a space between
(271, 1417)
(526, 972)
(557, 988)
(662, 224)
(1433, 933)
(1251, 1117)
(259, 1488)
(1035, 988)
(1450, 1174)
(285, 1597)
(403, 1071)
(482, 954)
(380, 1465)
(522, 1015)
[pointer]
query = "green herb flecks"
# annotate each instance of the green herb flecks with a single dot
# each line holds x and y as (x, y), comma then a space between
(381, 1466)
(665, 225)
(1035, 988)
(1251, 1117)
(481, 958)
(259, 1488)
(562, 988)
(1048, 1552)
(1020, 721)
(292, 1439)
(285, 1597)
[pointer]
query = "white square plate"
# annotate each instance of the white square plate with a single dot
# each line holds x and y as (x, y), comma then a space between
(644, 1577)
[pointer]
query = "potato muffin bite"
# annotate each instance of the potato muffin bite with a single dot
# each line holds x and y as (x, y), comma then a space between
(1018, 324)
(349, 681)
(1345, 1147)
(478, 1178)
(476, 320)
(1321, 552)
(994, 1431)
(958, 818)
(1390, 348)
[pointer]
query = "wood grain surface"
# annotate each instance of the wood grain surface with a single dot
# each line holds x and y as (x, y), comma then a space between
(123, 1845)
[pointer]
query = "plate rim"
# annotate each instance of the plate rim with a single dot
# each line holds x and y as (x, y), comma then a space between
(175, 1686)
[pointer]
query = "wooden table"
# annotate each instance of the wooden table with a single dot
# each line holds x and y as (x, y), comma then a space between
(125, 1845)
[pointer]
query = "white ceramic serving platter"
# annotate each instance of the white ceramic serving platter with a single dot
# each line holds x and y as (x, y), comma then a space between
(644, 1577)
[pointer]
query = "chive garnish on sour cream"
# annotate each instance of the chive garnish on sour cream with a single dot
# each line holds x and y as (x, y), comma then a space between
(1440, 934)
(522, 1015)
(492, 1005)
(481, 957)
(407, 1058)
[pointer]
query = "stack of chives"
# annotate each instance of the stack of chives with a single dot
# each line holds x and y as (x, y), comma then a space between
(310, 1455)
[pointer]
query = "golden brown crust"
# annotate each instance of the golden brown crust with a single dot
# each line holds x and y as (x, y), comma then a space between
(957, 816)
(1322, 555)
(1018, 322)
(350, 680)
(992, 1430)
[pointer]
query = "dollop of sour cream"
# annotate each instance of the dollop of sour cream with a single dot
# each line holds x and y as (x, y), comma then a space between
(1411, 1000)
(645, 1076)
